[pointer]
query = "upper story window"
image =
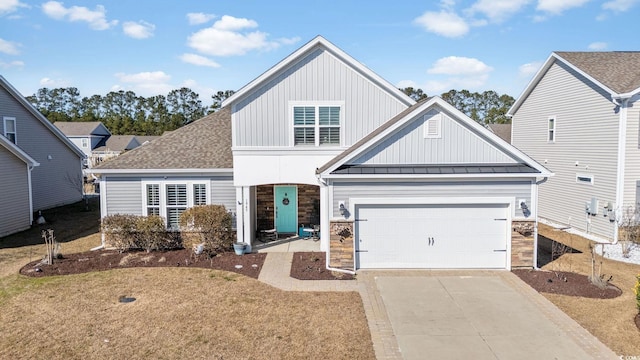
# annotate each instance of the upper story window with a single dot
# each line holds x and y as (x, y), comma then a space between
(85, 142)
(10, 128)
(551, 136)
(317, 125)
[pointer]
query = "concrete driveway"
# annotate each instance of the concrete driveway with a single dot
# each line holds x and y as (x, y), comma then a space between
(478, 315)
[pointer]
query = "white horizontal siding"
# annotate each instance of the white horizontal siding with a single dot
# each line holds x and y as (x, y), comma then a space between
(343, 191)
(14, 194)
(632, 159)
(586, 134)
(262, 119)
(458, 144)
(123, 196)
(223, 192)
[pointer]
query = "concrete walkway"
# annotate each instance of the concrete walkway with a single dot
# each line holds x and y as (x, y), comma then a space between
(413, 314)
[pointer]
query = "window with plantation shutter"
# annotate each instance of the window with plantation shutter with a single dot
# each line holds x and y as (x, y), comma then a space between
(316, 125)
(153, 199)
(199, 194)
(176, 203)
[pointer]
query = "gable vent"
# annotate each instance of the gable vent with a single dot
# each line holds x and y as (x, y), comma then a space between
(433, 125)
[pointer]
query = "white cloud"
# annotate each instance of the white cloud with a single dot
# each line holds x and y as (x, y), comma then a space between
(147, 83)
(599, 46)
(556, 7)
(498, 10)
(9, 6)
(226, 38)
(445, 23)
(138, 30)
(199, 18)
(457, 65)
(95, 18)
(289, 41)
(199, 60)
(9, 47)
(204, 91)
(11, 64)
(54, 83)
(406, 83)
(529, 69)
(619, 5)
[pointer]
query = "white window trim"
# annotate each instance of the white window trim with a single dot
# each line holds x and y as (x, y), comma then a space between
(15, 125)
(163, 193)
(84, 142)
(552, 130)
(585, 176)
(317, 105)
(433, 116)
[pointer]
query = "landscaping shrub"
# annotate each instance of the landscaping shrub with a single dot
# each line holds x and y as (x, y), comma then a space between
(127, 232)
(210, 225)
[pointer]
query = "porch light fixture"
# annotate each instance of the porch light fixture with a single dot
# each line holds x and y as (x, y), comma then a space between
(343, 210)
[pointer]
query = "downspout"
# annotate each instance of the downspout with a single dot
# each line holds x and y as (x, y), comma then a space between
(535, 228)
(29, 169)
(328, 256)
(622, 142)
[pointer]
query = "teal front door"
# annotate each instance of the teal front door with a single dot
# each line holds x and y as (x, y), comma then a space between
(286, 205)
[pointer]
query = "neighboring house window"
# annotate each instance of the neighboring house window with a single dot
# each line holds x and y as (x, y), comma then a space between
(10, 129)
(316, 125)
(552, 129)
(433, 125)
(170, 199)
(584, 179)
(85, 143)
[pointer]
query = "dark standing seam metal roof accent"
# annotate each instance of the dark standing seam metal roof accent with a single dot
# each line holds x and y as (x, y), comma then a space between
(434, 169)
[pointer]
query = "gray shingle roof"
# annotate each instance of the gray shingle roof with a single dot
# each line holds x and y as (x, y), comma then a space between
(203, 144)
(119, 143)
(502, 130)
(79, 128)
(617, 70)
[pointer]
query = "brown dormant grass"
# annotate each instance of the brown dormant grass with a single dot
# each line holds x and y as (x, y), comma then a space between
(609, 320)
(178, 313)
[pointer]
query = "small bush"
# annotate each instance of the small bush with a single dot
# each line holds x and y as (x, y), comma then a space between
(127, 232)
(210, 225)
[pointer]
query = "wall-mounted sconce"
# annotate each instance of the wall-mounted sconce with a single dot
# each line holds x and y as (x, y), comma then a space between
(343, 210)
(49, 157)
(525, 209)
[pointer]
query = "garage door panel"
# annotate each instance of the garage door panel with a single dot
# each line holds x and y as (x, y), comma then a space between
(431, 236)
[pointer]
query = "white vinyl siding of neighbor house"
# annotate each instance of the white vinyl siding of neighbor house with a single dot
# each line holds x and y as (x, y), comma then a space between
(586, 142)
(262, 119)
(14, 194)
(632, 155)
(518, 190)
(457, 144)
(58, 179)
(127, 195)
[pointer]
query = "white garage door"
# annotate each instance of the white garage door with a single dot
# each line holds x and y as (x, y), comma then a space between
(432, 236)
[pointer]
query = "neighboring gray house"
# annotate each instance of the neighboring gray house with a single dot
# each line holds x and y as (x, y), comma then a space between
(16, 206)
(579, 117)
(319, 139)
(58, 178)
(86, 135)
(502, 130)
(112, 147)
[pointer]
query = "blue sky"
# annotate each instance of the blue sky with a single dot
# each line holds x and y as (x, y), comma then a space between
(154, 46)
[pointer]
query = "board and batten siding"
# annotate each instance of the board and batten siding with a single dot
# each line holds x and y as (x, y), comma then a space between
(58, 179)
(458, 144)
(263, 118)
(632, 156)
(124, 195)
(343, 191)
(14, 194)
(586, 143)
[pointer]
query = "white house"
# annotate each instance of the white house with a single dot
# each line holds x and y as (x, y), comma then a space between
(579, 117)
(319, 139)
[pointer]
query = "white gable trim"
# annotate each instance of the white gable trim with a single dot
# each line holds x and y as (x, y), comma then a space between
(334, 51)
(481, 131)
(27, 105)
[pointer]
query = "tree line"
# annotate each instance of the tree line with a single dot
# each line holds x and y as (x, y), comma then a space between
(125, 113)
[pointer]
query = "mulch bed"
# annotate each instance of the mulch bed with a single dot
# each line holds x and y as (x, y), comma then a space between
(312, 266)
(100, 260)
(566, 283)
(637, 319)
